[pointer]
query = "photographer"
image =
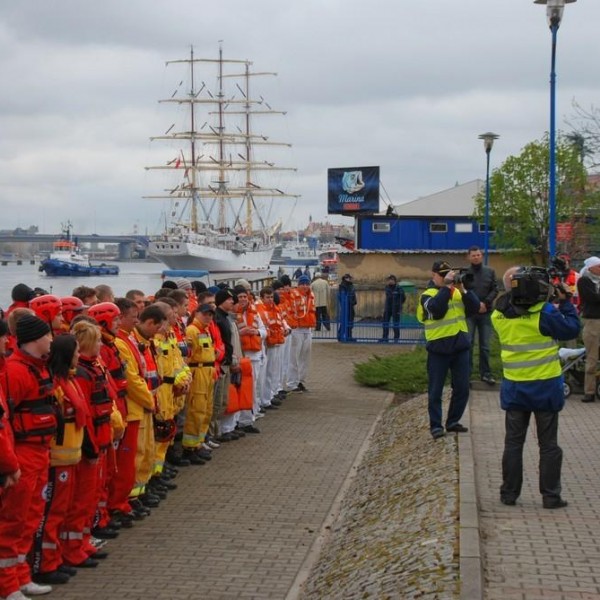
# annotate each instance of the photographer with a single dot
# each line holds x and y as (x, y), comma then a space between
(529, 325)
(486, 289)
(443, 308)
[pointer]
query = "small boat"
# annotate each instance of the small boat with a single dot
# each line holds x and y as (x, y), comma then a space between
(67, 260)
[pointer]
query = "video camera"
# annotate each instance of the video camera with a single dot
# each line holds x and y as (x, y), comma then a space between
(465, 276)
(530, 285)
(558, 269)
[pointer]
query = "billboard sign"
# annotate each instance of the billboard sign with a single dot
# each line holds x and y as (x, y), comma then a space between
(353, 190)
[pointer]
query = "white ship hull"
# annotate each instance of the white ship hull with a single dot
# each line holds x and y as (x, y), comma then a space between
(182, 255)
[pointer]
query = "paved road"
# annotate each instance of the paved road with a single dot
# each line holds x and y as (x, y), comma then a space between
(530, 553)
(241, 526)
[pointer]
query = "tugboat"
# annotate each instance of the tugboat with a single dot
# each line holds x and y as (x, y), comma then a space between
(67, 260)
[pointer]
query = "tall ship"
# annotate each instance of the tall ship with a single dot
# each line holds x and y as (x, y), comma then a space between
(216, 221)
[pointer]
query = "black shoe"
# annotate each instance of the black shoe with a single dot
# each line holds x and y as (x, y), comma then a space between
(154, 490)
(88, 563)
(150, 501)
(554, 503)
(100, 555)
(204, 454)
(225, 437)
(271, 407)
(508, 501)
(70, 571)
(114, 524)
(251, 429)
(51, 578)
(167, 483)
(122, 517)
(589, 398)
(236, 435)
(275, 402)
(139, 508)
(458, 428)
(437, 433)
(180, 461)
(489, 379)
(105, 533)
(302, 387)
(282, 394)
(193, 457)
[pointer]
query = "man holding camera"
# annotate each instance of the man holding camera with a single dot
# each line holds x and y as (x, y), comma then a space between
(443, 308)
(486, 289)
(529, 324)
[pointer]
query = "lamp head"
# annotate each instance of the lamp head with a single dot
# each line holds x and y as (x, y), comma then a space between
(554, 10)
(488, 140)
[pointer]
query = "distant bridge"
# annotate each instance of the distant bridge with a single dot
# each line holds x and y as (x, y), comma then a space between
(125, 242)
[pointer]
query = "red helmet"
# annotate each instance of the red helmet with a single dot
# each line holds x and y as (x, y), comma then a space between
(46, 307)
(71, 307)
(105, 313)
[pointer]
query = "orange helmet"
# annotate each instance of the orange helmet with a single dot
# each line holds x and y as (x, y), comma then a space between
(71, 307)
(46, 307)
(105, 313)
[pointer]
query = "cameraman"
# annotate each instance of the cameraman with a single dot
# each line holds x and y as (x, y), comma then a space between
(588, 286)
(442, 309)
(529, 325)
(485, 287)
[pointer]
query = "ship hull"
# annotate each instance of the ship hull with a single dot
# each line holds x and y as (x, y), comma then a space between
(187, 255)
(60, 268)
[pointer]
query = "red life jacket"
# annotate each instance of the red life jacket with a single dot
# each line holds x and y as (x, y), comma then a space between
(247, 318)
(148, 353)
(273, 322)
(117, 380)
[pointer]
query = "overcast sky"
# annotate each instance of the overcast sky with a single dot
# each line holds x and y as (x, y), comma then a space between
(404, 85)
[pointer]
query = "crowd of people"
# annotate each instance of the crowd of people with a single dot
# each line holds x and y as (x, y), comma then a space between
(104, 399)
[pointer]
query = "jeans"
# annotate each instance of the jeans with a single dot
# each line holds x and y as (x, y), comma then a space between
(517, 422)
(386, 324)
(483, 324)
(322, 318)
(438, 366)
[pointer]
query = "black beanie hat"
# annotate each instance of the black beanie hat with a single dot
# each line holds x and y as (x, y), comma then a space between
(30, 328)
(22, 293)
(3, 328)
(221, 296)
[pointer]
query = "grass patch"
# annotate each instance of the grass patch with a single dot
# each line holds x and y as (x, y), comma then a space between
(406, 371)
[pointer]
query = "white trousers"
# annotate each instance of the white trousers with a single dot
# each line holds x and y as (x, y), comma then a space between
(285, 363)
(272, 374)
(299, 356)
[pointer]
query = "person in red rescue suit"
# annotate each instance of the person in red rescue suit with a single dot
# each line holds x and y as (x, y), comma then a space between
(151, 320)
(49, 309)
(252, 335)
(71, 307)
(199, 402)
(302, 318)
(277, 330)
(28, 388)
(65, 454)
(108, 317)
(90, 477)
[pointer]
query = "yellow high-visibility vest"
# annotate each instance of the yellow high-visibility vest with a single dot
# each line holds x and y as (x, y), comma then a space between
(450, 324)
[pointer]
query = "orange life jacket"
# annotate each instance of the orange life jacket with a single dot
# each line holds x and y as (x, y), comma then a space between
(302, 311)
(271, 317)
(248, 318)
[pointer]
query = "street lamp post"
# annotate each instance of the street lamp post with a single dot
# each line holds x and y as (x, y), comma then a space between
(488, 141)
(554, 12)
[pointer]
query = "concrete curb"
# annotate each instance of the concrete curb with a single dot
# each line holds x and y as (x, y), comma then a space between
(471, 560)
(312, 556)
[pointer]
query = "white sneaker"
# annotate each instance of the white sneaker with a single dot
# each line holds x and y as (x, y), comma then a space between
(259, 415)
(35, 589)
(206, 446)
(16, 596)
(98, 543)
(211, 444)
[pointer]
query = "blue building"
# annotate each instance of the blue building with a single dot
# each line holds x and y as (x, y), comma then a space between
(442, 221)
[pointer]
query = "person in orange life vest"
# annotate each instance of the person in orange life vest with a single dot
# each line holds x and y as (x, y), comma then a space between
(27, 385)
(65, 454)
(284, 295)
(303, 314)
(151, 320)
(175, 381)
(107, 315)
(138, 398)
(71, 307)
(252, 334)
(11, 321)
(49, 309)
(9, 465)
(90, 476)
(199, 402)
(21, 294)
(277, 330)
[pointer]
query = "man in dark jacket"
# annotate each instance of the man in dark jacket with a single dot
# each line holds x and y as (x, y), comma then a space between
(588, 286)
(486, 289)
(346, 304)
(394, 299)
(528, 326)
(442, 309)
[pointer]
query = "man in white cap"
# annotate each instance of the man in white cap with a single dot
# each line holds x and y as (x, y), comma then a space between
(588, 286)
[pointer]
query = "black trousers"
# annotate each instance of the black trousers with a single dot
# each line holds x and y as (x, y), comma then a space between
(517, 422)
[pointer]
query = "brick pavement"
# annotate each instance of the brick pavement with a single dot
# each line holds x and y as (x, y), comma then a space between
(241, 526)
(530, 553)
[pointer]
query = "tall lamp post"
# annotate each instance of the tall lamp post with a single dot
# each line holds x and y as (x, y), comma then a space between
(554, 12)
(488, 141)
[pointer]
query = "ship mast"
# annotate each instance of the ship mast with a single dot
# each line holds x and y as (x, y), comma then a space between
(194, 198)
(249, 156)
(221, 128)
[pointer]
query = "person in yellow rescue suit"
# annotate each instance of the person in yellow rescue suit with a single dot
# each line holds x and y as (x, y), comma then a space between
(199, 400)
(528, 325)
(175, 378)
(443, 308)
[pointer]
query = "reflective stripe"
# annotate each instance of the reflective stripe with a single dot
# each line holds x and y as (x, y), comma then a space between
(22, 558)
(530, 363)
(48, 546)
(6, 563)
(72, 535)
(441, 323)
(525, 347)
(191, 441)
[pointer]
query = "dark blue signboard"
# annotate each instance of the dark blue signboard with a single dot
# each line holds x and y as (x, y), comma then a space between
(353, 190)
